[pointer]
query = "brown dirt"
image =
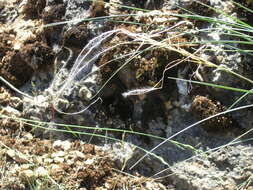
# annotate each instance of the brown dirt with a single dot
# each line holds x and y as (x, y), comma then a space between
(23, 49)
(27, 162)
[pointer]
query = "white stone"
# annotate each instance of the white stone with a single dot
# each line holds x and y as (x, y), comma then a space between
(65, 145)
(58, 160)
(26, 174)
(89, 161)
(58, 154)
(41, 171)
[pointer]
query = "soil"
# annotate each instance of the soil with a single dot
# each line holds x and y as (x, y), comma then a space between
(38, 51)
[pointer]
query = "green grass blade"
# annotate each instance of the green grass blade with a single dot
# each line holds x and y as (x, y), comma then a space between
(70, 129)
(243, 7)
(240, 99)
(90, 134)
(227, 15)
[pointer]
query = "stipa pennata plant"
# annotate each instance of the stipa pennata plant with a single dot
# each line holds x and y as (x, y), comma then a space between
(74, 81)
(80, 79)
(83, 74)
(74, 88)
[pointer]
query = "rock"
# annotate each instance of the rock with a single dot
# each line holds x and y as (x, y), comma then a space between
(27, 175)
(41, 172)
(64, 145)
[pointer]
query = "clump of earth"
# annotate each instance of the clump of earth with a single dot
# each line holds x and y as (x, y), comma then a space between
(104, 66)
